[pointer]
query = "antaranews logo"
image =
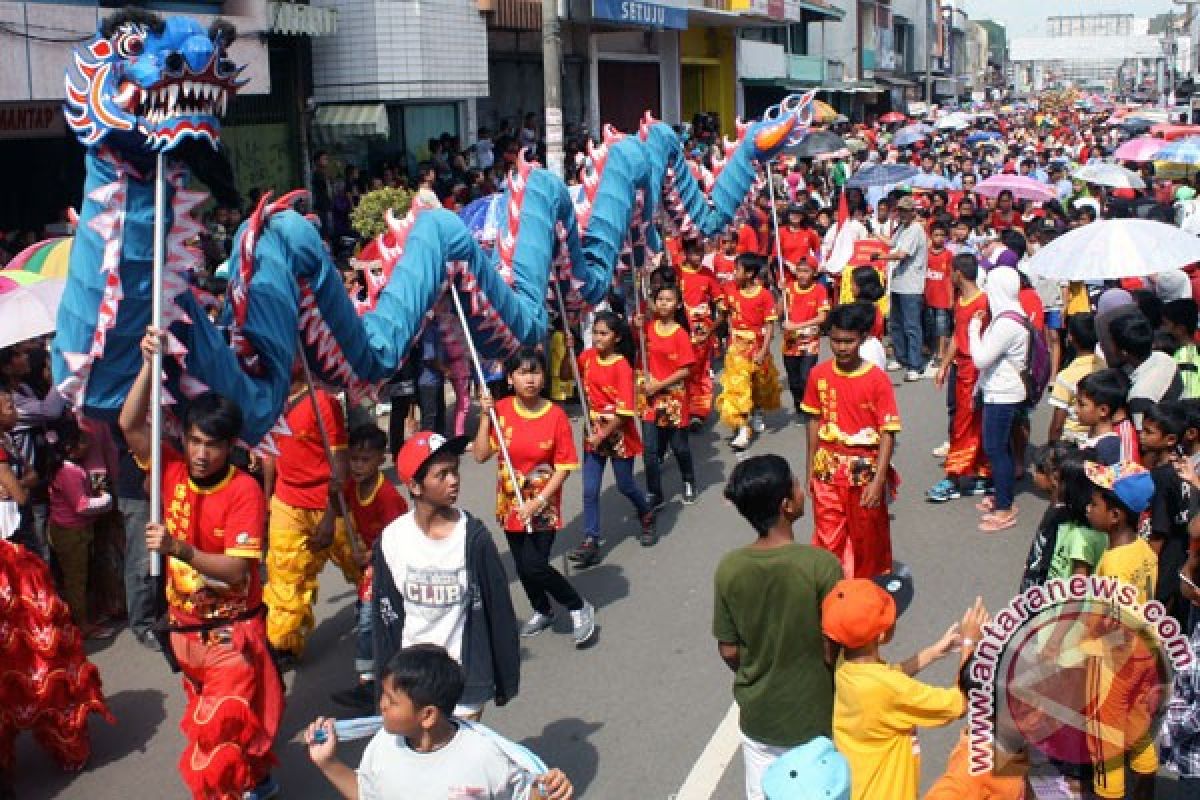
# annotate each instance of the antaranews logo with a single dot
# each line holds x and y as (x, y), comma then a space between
(1076, 668)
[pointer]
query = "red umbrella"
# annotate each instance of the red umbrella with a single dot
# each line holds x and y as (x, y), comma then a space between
(892, 116)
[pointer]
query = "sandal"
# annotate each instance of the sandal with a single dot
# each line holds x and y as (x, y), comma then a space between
(987, 505)
(994, 523)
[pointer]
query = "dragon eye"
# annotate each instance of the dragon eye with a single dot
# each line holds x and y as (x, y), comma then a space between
(130, 44)
(174, 62)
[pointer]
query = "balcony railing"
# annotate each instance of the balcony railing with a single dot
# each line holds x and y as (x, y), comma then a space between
(808, 69)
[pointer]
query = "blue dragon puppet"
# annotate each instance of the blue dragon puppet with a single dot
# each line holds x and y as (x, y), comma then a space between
(145, 85)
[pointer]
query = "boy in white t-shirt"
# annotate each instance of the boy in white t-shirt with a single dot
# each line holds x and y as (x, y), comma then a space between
(422, 751)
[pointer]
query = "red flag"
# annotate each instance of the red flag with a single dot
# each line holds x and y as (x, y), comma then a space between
(843, 209)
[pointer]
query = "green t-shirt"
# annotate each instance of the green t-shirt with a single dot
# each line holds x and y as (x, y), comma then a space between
(768, 603)
(1076, 543)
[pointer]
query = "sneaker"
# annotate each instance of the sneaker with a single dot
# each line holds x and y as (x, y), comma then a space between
(911, 376)
(941, 451)
(536, 624)
(267, 788)
(583, 624)
(894, 366)
(587, 554)
(655, 502)
(943, 491)
(931, 370)
(649, 535)
(383, 409)
(360, 698)
(980, 487)
(148, 640)
(696, 425)
(757, 424)
(689, 494)
(742, 440)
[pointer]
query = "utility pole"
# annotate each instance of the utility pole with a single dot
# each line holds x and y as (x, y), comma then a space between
(930, 37)
(552, 85)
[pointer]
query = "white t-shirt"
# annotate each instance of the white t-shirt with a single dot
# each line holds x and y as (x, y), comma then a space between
(431, 574)
(469, 767)
(871, 350)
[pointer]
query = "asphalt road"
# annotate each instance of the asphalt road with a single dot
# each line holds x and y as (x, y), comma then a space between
(630, 716)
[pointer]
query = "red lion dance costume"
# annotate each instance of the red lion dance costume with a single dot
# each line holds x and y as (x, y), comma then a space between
(47, 685)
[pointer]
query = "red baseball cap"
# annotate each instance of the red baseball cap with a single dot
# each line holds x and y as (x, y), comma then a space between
(422, 447)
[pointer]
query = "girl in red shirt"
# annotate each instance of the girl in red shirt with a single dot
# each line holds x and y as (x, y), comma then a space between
(669, 357)
(1004, 216)
(606, 369)
(804, 307)
(538, 437)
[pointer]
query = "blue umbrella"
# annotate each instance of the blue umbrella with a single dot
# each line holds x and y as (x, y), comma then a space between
(928, 180)
(881, 175)
(1181, 151)
(907, 138)
(482, 216)
(982, 136)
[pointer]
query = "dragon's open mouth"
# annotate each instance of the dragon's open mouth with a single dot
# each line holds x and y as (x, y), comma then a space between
(181, 98)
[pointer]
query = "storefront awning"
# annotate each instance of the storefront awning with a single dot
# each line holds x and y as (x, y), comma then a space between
(336, 122)
(822, 9)
(893, 80)
(850, 88)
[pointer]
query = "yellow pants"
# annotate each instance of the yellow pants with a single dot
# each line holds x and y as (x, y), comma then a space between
(72, 547)
(746, 386)
(560, 388)
(292, 570)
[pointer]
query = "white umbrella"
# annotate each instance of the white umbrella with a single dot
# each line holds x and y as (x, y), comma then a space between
(29, 311)
(1112, 175)
(954, 121)
(1115, 248)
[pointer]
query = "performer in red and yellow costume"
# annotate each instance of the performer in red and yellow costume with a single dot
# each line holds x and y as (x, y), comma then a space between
(701, 295)
(211, 541)
(852, 427)
(750, 383)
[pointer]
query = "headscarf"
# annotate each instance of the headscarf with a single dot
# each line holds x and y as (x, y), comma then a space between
(1003, 291)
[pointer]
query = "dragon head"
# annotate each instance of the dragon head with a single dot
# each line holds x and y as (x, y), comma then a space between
(149, 82)
(784, 124)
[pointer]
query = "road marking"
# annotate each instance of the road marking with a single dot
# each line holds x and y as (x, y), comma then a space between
(706, 773)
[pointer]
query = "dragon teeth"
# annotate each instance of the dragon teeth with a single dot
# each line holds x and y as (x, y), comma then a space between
(173, 93)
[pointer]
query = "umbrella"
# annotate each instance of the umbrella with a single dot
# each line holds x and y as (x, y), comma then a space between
(1143, 148)
(835, 155)
(1112, 175)
(28, 307)
(823, 113)
(50, 258)
(1022, 188)
(891, 117)
(1136, 124)
(482, 216)
(1116, 248)
(1181, 151)
(983, 136)
(907, 138)
(956, 120)
(917, 127)
(817, 143)
(881, 175)
(927, 180)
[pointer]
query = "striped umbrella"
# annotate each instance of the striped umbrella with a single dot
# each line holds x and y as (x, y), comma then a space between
(823, 113)
(50, 258)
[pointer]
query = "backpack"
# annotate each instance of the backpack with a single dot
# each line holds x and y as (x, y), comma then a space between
(1035, 374)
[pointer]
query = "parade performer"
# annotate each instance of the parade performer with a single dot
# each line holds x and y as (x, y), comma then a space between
(701, 294)
(669, 362)
(373, 503)
(538, 437)
(608, 379)
(852, 427)
(965, 458)
(805, 306)
(212, 538)
(47, 685)
(304, 529)
(750, 384)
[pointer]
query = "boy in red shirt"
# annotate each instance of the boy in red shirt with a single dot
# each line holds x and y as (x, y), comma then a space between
(851, 434)
(724, 261)
(373, 503)
(701, 293)
(804, 307)
(797, 240)
(750, 384)
(965, 457)
(939, 296)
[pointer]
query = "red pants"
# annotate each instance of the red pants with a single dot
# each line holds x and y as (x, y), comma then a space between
(234, 704)
(861, 538)
(965, 456)
(699, 381)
